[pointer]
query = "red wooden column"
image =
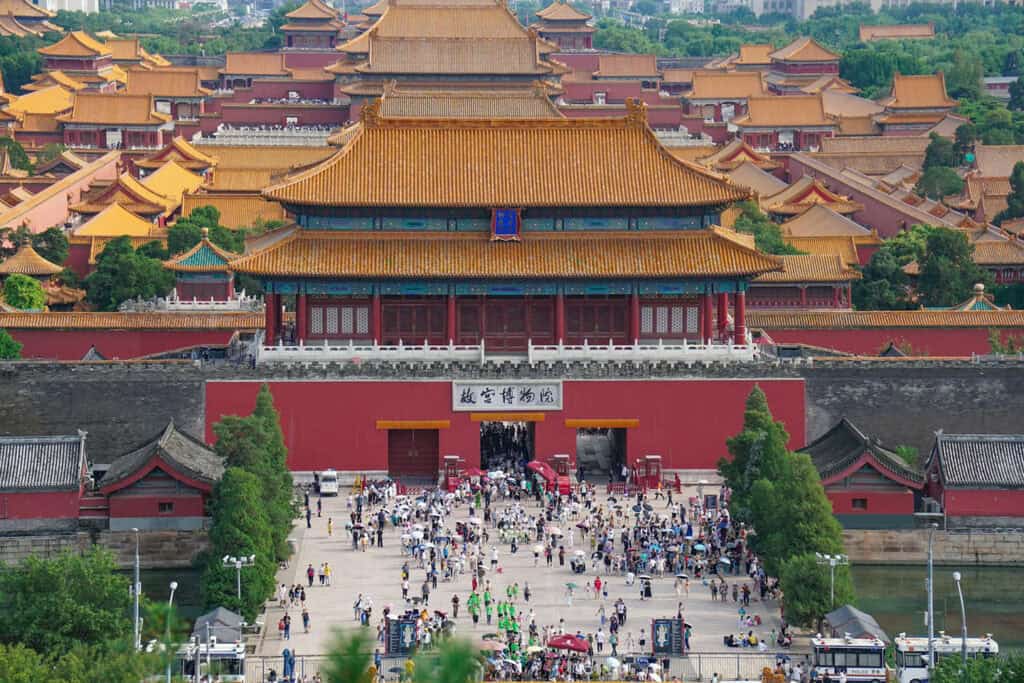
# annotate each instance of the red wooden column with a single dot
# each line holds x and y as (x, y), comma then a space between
(723, 314)
(803, 296)
(559, 317)
(376, 318)
(634, 317)
(278, 316)
(452, 330)
(702, 321)
(740, 318)
(301, 317)
(269, 307)
(709, 330)
(835, 296)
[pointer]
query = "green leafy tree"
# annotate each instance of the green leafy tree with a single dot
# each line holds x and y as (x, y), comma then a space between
(122, 274)
(948, 271)
(455, 661)
(113, 662)
(963, 78)
(806, 589)
(24, 293)
(940, 152)
(20, 664)
(1014, 200)
(348, 658)
(979, 670)
(1010, 345)
(767, 235)
(154, 250)
(9, 348)
(885, 286)
(52, 605)
(938, 182)
(1016, 102)
(756, 452)
(52, 245)
(16, 153)
(966, 136)
(49, 152)
(240, 527)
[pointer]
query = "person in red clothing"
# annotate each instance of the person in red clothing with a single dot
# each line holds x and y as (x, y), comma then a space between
(597, 587)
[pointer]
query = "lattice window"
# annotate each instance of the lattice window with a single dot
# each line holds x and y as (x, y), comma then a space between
(678, 316)
(661, 320)
(691, 320)
(332, 320)
(346, 320)
(316, 320)
(647, 319)
(362, 320)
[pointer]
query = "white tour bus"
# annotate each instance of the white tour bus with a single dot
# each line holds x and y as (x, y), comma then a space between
(912, 653)
(328, 483)
(861, 659)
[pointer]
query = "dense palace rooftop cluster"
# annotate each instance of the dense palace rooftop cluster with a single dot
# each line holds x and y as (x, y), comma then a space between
(436, 173)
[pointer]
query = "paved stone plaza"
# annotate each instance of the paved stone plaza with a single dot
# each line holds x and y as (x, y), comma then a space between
(377, 573)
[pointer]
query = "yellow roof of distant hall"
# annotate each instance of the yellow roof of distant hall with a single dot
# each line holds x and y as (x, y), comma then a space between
(927, 91)
(730, 85)
(27, 261)
(755, 54)
(501, 162)
(96, 108)
(173, 181)
(114, 221)
(25, 9)
(804, 50)
(313, 9)
(76, 44)
(562, 11)
(52, 100)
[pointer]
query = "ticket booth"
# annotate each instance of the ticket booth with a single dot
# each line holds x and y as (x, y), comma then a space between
(451, 469)
(560, 463)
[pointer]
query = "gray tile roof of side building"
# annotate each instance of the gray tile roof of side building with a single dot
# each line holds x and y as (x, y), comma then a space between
(845, 443)
(41, 463)
(225, 626)
(980, 461)
(181, 452)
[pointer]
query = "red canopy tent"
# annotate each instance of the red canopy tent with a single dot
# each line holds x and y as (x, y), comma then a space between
(569, 642)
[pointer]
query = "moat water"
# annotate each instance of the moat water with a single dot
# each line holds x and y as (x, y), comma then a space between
(896, 597)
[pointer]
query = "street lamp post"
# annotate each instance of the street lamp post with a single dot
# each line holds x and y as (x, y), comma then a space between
(931, 599)
(963, 624)
(170, 606)
(238, 563)
(832, 561)
(136, 589)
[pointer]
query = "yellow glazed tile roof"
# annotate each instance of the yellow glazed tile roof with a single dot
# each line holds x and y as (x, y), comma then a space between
(115, 221)
(489, 163)
(313, 9)
(520, 103)
(755, 55)
(794, 110)
(240, 179)
(919, 92)
(75, 44)
(825, 320)
(810, 268)
(172, 181)
(842, 245)
(131, 194)
(166, 83)
(804, 193)
(729, 85)
(25, 8)
(182, 152)
(56, 77)
(255, 64)
(761, 182)
(896, 32)
(27, 261)
(562, 11)
(735, 153)
(52, 100)
(821, 221)
(264, 156)
(486, 21)
(621, 66)
(125, 49)
(100, 109)
(505, 56)
(237, 209)
(999, 252)
(474, 255)
(804, 50)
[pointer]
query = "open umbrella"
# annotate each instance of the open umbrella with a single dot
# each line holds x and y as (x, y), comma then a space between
(682, 576)
(613, 663)
(571, 586)
(644, 577)
(554, 531)
(725, 560)
(699, 547)
(569, 642)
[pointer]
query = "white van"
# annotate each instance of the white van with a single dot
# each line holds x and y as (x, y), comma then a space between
(328, 483)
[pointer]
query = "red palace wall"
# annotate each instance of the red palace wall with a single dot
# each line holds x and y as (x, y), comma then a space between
(950, 341)
(879, 502)
(277, 115)
(112, 344)
(333, 424)
(983, 503)
(149, 506)
(48, 505)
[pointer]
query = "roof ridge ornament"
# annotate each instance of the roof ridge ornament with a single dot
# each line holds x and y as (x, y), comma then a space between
(636, 112)
(370, 114)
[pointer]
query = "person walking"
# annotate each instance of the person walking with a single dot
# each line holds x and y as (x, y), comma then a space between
(425, 592)
(330, 527)
(309, 518)
(305, 620)
(310, 574)
(327, 573)
(455, 606)
(287, 627)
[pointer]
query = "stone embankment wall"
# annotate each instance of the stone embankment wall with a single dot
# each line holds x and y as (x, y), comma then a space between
(124, 404)
(910, 546)
(157, 549)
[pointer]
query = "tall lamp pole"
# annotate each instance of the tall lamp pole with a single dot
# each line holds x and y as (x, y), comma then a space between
(832, 561)
(170, 606)
(136, 589)
(238, 563)
(931, 599)
(963, 624)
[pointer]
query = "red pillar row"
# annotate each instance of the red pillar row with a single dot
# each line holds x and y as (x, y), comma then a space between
(723, 314)
(740, 318)
(452, 331)
(559, 317)
(377, 319)
(634, 317)
(301, 317)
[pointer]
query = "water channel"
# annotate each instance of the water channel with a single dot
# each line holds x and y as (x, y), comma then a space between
(896, 597)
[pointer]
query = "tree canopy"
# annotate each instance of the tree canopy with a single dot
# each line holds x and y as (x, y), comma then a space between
(122, 274)
(187, 232)
(1014, 200)
(10, 349)
(948, 272)
(24, 293)
(767, 234)
(52, 245)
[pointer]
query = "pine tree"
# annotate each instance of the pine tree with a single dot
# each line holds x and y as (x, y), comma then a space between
(276, 454)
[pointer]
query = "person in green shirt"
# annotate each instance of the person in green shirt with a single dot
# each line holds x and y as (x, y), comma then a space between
(473, 605)
(489, 609)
